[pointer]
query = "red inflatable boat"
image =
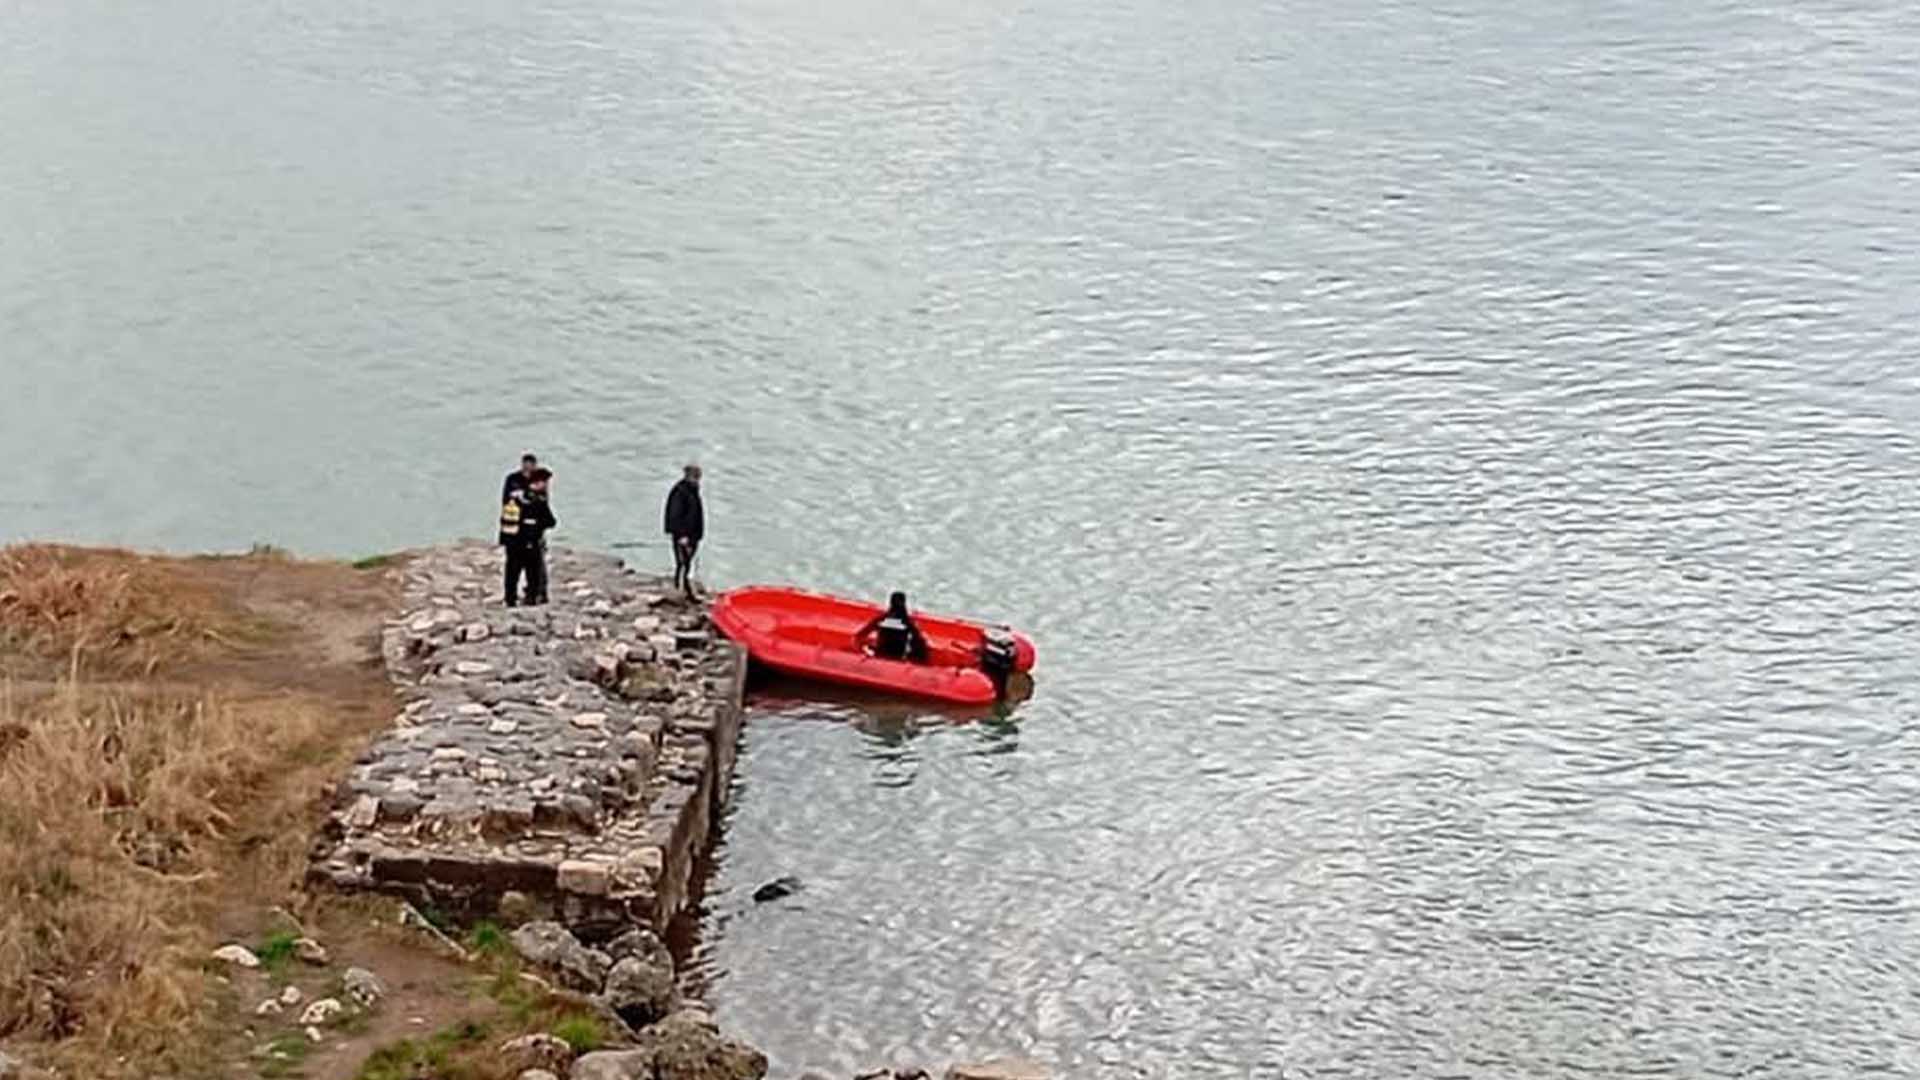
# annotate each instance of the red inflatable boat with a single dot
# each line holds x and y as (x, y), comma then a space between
(812, 635)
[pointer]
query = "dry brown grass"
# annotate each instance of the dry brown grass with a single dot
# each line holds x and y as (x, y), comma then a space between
(108, 610)
(162, 748)
(119, 816)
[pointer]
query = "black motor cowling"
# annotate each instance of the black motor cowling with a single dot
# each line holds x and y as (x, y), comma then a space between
(999, 655)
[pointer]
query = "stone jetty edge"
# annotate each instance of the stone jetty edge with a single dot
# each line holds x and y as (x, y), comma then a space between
(567, 760)
(561, 769)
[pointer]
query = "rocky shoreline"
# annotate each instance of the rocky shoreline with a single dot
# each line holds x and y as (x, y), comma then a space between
(558, 771)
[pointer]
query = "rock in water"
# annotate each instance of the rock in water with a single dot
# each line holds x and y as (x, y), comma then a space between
(778, 889)
(364, 987)
(1000, 1069)
(237, 955)
(549, 945)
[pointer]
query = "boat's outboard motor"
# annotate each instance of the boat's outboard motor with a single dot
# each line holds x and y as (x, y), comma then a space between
(999, 654)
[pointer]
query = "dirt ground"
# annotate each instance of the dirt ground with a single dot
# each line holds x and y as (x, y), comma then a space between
(173, 729)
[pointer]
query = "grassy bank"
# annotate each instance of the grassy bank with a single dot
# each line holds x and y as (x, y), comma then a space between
(166, 727)
(171, 730)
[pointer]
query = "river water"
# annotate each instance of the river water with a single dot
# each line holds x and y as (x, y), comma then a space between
(1457, 456)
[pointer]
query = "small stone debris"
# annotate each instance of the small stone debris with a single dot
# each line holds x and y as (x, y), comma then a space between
(237, 956)
(364, 987)
(537, 1053)
(269, 1007)
(291, 996)
(590, 720)
(314, 1036)
(309, 951)
(324, 1011)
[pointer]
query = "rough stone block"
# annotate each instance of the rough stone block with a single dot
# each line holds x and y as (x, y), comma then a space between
(586, 878)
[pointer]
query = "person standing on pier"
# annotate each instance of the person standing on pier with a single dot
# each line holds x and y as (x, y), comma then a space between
(525, 519)
(687, 525)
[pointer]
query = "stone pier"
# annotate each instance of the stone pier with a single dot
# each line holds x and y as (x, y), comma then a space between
(567, 761)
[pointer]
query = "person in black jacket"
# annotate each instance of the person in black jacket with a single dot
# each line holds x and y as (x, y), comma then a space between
(517, 480)
(525, 519)
(894, 634)
(686, 521)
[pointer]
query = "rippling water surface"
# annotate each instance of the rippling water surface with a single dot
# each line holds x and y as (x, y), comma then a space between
(1458, 459)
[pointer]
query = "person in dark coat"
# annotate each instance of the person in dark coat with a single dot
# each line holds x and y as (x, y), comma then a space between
(525, 520)
(894, 634)
(517, 480)
(686, 521)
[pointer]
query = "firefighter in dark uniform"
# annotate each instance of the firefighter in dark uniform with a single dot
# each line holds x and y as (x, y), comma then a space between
(525, 518)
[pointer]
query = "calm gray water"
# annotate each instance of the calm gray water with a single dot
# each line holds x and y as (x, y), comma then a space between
(1458, 457)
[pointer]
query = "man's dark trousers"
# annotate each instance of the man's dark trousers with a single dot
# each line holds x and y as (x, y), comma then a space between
(531, 560)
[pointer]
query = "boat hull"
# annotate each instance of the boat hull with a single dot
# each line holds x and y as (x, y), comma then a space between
(812, 635)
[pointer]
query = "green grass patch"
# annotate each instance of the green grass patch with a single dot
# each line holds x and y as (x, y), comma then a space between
(464, 1033)
(375, 562)
(276, 950)
(487, 939)
(512, 993)
(284, 1056)
(395, 1061)
(584, 1033)
(438, 1057)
